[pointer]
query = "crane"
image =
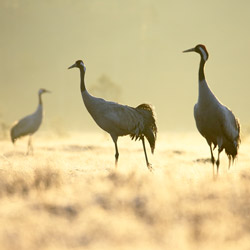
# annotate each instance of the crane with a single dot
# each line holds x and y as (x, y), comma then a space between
(29, 124)
(119, 120)
(215, 121)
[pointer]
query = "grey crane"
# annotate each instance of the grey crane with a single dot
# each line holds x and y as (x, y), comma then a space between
(119, 120)
(214, 120)
(29, 124)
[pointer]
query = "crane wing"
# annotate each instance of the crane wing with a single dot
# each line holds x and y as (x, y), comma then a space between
(118, 119)
(20, 128)
(230, 125)
(27, 125)
(123, 119)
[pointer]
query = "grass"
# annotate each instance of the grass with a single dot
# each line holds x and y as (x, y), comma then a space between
(69, 196)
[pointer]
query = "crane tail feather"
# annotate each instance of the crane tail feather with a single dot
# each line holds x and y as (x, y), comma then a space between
(231, 147)
(150, 128)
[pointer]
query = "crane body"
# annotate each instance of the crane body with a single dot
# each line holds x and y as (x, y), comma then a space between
(120, 120)
(29, 124)
(215, 121)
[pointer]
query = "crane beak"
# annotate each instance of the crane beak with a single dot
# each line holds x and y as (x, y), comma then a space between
(47, 91)
(189, 50)
(72, 66)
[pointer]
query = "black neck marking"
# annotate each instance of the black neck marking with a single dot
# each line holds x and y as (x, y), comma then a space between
(201, 69)
(201, 49)
(82, 73)
(40, 99)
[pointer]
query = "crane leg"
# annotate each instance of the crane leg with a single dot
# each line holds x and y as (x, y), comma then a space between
(146, 157)
(218, 160)
(212, 157)
(116, 154)
(30, 147)
(115, 138)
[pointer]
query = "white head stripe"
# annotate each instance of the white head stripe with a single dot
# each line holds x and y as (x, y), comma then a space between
(83, 65)
(204, 54)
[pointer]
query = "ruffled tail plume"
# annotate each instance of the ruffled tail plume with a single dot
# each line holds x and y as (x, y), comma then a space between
(150, 128)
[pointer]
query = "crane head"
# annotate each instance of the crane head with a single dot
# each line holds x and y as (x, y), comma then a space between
(200, 49)
(78, 64)
(41, 91)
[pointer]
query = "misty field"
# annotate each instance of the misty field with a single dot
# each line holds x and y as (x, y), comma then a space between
(67, 195)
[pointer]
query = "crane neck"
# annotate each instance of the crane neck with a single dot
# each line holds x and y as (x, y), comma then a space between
(201, 70)
(205, 94)
(82, 74)
(40, 99)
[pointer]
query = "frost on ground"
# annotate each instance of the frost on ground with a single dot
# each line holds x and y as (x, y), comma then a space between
(69, 196)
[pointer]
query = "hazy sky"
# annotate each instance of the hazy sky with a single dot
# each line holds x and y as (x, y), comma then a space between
(136, 44)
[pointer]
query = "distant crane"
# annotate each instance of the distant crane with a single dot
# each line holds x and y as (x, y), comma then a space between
(29, 124)
(215, 121)
(119, 120)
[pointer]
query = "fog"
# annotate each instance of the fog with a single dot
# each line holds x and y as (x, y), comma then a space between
(136, 45)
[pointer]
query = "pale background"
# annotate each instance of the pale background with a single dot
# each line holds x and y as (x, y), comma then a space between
(68, 194)
(137, 45)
